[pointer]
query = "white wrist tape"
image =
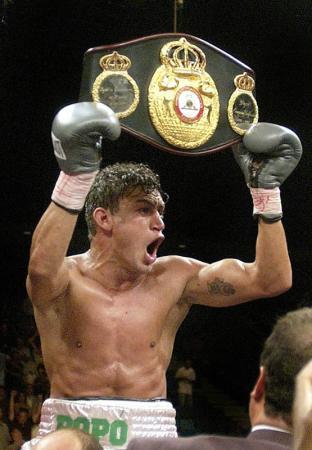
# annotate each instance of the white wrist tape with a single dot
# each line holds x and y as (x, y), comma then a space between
(266, 201)
(71, 191)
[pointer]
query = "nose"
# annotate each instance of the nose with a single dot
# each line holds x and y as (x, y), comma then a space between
(158, 223)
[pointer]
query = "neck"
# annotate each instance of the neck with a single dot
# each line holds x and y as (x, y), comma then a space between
(278, 422)
(107, 270)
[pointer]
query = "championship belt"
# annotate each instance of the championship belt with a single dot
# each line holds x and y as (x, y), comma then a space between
(174, 91)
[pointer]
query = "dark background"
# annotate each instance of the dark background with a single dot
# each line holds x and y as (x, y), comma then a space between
(209, 213)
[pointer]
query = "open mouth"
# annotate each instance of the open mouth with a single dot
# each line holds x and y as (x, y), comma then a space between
(153, 247)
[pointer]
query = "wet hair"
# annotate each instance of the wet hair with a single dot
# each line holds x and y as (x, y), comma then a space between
(115, 182)
(285, 352)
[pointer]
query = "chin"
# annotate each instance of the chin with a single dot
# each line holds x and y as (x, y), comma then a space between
(146, 267)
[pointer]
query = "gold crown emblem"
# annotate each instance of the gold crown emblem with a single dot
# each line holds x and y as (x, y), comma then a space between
(244, 82)
(183, 57)
(115, 62)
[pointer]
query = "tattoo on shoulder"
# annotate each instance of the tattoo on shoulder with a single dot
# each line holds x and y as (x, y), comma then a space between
(220, 287)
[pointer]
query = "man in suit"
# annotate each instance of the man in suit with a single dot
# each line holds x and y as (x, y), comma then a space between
(285, 352)
(302, 411)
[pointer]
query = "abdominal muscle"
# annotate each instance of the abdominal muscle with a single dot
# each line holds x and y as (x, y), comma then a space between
(115, 379)
(120, 348)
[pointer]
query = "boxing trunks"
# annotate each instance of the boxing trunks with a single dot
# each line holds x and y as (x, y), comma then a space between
(112, 421)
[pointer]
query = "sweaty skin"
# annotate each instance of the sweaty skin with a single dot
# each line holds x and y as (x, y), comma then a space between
(100, 342)
(108, 318)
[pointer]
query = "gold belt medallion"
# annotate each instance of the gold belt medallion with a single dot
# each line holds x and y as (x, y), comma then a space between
(115, 87)
(242, 106)
(183, 99)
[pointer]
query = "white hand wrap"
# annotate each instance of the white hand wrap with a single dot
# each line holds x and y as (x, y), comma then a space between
(266, 201)
(71, 191)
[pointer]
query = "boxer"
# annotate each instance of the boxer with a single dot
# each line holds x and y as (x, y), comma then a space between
(107, 318)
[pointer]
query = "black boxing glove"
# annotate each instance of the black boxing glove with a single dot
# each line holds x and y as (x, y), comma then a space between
(77, 134)
(268, 155)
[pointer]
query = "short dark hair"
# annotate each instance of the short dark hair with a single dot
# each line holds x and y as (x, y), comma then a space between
(115, 182)
(285, 352)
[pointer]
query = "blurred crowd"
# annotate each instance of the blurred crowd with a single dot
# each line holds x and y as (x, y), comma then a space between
(23, 382)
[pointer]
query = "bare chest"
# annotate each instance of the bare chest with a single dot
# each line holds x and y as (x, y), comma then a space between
(139, 317)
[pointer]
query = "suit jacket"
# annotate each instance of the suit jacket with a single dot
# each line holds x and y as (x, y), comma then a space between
(257, 440)
(273, 436)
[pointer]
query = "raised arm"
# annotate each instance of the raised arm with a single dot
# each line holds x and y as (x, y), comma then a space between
(77, 134)
(268, 155)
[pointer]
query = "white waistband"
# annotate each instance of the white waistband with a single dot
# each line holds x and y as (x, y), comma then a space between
(113, 422)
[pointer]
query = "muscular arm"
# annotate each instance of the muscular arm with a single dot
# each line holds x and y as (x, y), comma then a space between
(229, 282)
(47, 269)
(267, 156)
(77, 132)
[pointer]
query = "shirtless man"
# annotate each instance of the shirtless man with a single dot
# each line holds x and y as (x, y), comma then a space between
(108, 318)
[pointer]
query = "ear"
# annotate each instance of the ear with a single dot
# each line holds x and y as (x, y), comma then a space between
(258, 390)
(103, 218)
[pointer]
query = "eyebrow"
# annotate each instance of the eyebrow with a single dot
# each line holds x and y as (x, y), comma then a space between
(160, 206)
